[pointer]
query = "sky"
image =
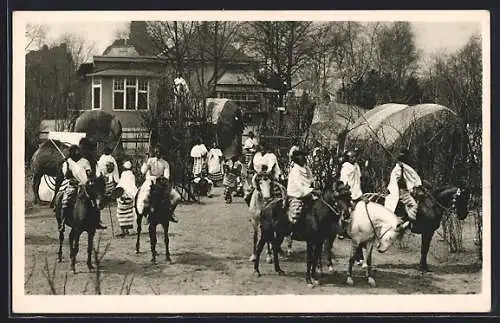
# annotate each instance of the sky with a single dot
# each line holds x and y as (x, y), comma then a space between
(430, 37)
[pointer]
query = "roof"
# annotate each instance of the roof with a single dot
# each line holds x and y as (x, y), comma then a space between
(245, 88)
(120, 48)
(125, 72)
(389, 122)
(238, 78)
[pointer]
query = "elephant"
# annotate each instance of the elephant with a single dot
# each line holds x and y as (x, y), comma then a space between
(99, 126)
(229, 129)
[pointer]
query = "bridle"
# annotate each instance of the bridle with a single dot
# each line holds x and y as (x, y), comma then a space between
(379, 238)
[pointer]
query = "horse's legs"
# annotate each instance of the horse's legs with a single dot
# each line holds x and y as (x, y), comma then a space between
(139, 229)
(276, 246)
(255, 240)
(309, 261)
(260, 246)
(75, 247)
(152, 238)
(424, 250)
(90, 247)
(317, 249)
(37, 179)
(165, 226)
(369, 252)
(269, 259)
(329, 253)
(289, 245)
(61, 240)
(352, 257)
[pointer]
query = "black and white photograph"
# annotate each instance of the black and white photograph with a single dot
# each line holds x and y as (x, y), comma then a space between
(251, 161)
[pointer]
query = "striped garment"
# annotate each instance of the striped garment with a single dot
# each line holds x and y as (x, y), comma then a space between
(248, 157)
(197, 166)
(125, 212)
(109, 188)
(409, 202)
(295, 207)
(69, 195)
(230, 180)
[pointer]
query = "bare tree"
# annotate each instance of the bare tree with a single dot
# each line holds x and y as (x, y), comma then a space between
(80, 49)
(35, 36)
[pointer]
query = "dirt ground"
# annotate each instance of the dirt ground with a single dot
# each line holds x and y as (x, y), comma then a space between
(210, 247)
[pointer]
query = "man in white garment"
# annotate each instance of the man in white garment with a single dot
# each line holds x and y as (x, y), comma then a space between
(271, 161)
(180, 85)
(251, 143)
(299, 189)
(403, 183)
(106, 162)
(77, 170)
(350, 174)
(154, 168)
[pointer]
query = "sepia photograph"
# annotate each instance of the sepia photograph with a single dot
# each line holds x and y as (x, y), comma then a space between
(251, 161)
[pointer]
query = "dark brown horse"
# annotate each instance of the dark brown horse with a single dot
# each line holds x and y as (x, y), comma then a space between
(430, 212)
(314, 227)
(157, 213)
(83, 216)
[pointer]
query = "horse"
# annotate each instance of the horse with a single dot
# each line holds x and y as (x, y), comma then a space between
(266, 190)
(431, 208)
(83, 216)
(157, 213)
(313, 227)
(371, 225)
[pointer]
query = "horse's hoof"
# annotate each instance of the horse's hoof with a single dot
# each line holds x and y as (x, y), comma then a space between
(281, 273)
(288, 253)
(424, 269)
(364, 265)
(330, 268)
(359, 262)
(169, 261)
(256, 273)
(252, 258)
(371, 282)
(349, 281)
(310, 285)
(153, 261)
(269, 260)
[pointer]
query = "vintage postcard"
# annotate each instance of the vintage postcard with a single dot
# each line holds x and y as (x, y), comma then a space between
(251, 162)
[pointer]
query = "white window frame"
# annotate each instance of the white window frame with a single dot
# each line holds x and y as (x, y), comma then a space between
(98, 86)
(124, 91)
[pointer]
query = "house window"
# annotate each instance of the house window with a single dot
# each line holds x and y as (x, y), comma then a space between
(130, 94)
(96, 93)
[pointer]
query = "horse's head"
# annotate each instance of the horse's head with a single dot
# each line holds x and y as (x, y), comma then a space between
(460, 201)
(454, 198)
(390, 233)
(264, 183)
(160, 192)
(95, 190)
(342, 195)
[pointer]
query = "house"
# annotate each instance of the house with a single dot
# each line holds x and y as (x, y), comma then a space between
(124, 82)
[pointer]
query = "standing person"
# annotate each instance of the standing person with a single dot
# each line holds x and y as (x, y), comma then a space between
(180, 85)
(215, 161)
(77, 170)
(106, 166)
(154, 168)
(125, 204)
(250, 147)
(404, 182)
(232, 169)
(198, 153)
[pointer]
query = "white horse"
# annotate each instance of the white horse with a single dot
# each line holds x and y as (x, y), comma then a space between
(372, 225)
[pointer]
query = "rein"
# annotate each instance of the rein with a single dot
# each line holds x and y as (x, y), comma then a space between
(373, 226)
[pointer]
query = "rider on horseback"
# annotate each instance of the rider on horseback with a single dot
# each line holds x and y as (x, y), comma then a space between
(155, 168)
(404, 185)
(77, 170)
(350, 174)
(299, 189)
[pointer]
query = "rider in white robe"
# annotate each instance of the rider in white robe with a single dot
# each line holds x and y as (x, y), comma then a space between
(403, 181)
(103, 161)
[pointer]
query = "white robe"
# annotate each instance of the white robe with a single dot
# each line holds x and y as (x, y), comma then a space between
(78, 169)
(127, 182)
(101, 168)
(300, 182)
(351, 175)
(411, 178)
(250, 143)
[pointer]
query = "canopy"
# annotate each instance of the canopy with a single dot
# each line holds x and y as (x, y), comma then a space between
(388, 122)
(68, 138)
(332, 119)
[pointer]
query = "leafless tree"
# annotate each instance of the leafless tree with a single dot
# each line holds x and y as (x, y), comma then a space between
(35, 36)
(80, 48)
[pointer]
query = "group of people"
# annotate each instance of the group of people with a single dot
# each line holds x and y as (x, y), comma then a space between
(302, 189)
